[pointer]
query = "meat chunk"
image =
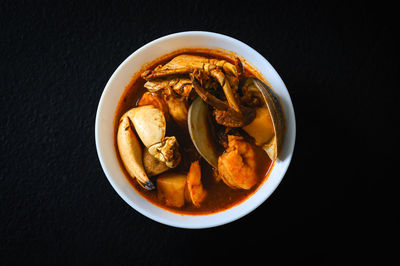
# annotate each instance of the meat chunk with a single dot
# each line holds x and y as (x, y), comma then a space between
(237, 166)
(194, 191)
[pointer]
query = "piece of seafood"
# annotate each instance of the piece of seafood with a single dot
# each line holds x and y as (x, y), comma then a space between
(201, 133)
(265, 130)
(194, 191)
(149, 124)
(237, 166)
(177, 106)
(204, 72)
(152, 165)
(155, 99)
(268, 127)
(169, 102)
(230, 114)
(131, 153)
(181, 85)
(166, 151)
(170, 75)
(185, 64)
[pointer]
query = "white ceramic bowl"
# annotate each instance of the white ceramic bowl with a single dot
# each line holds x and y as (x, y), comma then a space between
(105, 128)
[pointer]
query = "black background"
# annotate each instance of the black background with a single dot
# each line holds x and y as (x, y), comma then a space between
(339, 63)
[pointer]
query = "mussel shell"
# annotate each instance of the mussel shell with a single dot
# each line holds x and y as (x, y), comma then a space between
(201, 132)
(278, 120)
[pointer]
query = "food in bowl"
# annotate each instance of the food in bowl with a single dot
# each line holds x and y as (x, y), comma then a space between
(197, 132)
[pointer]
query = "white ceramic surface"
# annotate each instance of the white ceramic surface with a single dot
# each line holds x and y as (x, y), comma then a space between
(112, 94)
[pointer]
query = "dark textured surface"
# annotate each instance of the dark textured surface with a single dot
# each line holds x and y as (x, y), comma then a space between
(56, 206)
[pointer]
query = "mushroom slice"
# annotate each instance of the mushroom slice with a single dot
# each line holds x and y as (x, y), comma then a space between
(194, 191)
(131, 153)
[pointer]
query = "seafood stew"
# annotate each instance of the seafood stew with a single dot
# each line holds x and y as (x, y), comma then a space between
(194, 134)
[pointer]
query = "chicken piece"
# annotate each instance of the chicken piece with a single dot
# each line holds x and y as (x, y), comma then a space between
(149, 98)
(167, 151)
(171, 189)
(194, 191)
(237, 166)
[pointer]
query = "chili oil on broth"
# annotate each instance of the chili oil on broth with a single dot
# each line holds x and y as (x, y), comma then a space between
(219, 196)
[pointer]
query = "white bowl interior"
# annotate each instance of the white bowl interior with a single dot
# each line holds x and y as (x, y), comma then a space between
(104, 129)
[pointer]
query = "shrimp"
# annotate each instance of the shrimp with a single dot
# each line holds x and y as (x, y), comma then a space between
(194, 191)
(237, 166)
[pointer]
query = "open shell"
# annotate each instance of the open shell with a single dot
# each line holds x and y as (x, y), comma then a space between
(199, 129)
(273, 147)
(271, 141)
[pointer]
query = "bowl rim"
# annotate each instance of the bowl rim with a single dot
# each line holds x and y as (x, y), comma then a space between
(227, 219)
